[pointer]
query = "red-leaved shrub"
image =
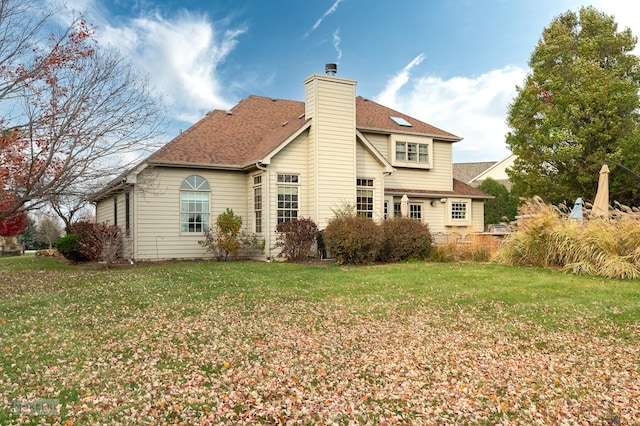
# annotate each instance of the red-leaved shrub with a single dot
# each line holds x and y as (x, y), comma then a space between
(296, 237)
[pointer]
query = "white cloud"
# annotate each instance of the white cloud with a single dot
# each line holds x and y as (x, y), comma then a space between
(336, 43)
(389, 93)
(329, 11)
(180, 54)
(473, 108)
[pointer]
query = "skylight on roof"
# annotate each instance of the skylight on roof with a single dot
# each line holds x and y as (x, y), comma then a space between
(401, 121)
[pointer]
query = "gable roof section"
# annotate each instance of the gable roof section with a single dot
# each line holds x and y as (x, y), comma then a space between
(239, 137)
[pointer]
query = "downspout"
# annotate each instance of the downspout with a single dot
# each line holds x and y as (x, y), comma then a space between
(267, 207)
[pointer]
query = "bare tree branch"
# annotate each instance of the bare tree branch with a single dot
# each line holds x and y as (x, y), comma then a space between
(70, 113)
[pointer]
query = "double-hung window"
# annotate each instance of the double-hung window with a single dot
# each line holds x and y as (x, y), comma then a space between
(194, 204)
(364, 198)
(257, 202)
(411, 151)
(288, 203)
(415, 211)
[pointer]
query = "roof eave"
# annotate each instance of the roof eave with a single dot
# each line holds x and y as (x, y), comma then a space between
(451, 138)
(211, 166)
(435, 194)
(267, 159)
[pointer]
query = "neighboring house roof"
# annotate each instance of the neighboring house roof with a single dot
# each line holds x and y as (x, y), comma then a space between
(475, 173)
(256, 126)
(466, 172)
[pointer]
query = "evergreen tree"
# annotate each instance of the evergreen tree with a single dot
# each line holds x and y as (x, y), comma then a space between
(28, 236)
(502, 208)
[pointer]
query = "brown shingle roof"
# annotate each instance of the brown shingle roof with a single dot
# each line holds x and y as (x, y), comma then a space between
(467, 171)
(372, 115)
(460, 189)
(245, 134)
(257, 125)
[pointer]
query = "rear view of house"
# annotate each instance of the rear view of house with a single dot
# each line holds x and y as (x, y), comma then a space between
(271, 160)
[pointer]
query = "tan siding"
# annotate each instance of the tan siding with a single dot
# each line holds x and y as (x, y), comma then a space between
(477, 216)
(332, 144)
(291, 160)
(435, 216)
(104, 211)
(442, 170)
(105, 214)
(380, 142)
(369, 168)
(157, 210)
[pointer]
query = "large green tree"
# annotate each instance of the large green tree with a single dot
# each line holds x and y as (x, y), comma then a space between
(577, 108)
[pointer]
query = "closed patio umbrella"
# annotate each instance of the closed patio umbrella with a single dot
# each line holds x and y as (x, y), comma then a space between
(601, 203)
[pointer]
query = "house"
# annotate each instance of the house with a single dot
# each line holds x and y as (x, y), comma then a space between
(270, 160)
(475, 173)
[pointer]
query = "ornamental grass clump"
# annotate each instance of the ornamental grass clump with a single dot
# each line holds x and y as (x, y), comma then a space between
(545, 236)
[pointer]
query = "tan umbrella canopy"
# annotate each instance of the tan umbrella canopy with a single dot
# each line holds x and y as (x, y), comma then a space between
(404, 206)
(601, 203)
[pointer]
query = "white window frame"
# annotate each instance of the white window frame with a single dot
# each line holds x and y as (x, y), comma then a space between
(287, 209)
(416, 211)
(453, 211)
(414, 152)
(397, 209)
(258, 203)
(194, 189)
(365, 188)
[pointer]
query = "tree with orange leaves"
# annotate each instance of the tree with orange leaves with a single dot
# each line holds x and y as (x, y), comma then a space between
(69, 109)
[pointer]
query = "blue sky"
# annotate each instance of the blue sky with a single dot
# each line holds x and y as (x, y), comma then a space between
(450, 63)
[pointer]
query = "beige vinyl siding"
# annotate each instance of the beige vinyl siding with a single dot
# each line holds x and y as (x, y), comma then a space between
(104, 211)
(105, 215)
(330, 102)
(477, 216)
(380, 142)
(311, 183)
(291, 160)
(442, 168)
(367, 167)
(121, 222)
(157, 210)
(435, 215)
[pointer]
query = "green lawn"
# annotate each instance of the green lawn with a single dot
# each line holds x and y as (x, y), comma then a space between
(245, 342)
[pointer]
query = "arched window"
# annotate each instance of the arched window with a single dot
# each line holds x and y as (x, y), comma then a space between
(194, 204)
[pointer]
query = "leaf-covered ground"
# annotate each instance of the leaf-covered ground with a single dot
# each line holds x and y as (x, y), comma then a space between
(196, 345)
